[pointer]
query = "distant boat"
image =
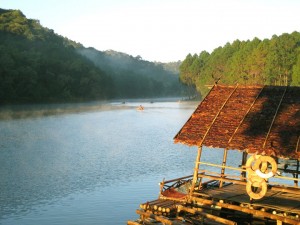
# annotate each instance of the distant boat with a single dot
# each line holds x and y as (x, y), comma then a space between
(140, 108)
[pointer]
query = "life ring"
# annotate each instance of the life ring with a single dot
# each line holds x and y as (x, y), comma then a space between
(260, 168)
(249, 167)
(255, 180)
(259, 183)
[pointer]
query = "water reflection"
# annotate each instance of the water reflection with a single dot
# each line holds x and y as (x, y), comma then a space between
(10, 112)
(72, 161)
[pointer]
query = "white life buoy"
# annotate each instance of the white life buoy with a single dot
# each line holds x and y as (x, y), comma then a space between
(265, 173)
(249, 167)
(257, 174)
(261, 184)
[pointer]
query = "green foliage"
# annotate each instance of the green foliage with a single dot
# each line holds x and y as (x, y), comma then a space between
(295, 73)
(275, 62)
(134, 77)
(37, 65)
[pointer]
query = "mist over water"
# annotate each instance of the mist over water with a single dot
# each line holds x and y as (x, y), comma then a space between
(89, 166)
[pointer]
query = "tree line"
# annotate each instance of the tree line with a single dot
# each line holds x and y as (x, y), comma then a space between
(36, 65)
(274, 61)
(39, 66)
(134, 77)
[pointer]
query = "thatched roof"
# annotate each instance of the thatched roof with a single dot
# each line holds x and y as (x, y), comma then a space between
(256, 119)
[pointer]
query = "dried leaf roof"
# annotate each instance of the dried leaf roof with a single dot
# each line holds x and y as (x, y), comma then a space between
(256, 119)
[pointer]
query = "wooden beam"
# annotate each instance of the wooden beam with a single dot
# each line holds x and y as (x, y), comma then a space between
(247, 210)
(157, 218)
(206, 215)
(176, 179)
(244, 160)
(196, 169)
(283, 189)
(223, 166)
(296, 175)
(129, 222)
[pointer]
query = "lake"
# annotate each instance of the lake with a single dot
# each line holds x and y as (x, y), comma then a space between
(88, 163)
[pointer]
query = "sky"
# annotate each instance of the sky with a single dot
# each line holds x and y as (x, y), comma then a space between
(162, 30)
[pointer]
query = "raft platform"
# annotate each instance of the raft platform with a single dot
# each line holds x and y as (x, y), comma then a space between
(211, 204)
(261, 124)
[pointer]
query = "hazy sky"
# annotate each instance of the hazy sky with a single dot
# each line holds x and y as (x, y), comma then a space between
(162, 30)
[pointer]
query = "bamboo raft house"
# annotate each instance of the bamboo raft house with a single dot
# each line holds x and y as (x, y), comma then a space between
(257, 130)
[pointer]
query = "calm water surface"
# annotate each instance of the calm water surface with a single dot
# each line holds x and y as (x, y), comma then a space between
(90, 167)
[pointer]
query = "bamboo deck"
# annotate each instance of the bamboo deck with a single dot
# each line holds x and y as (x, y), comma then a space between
(276, 205)
(274, 201)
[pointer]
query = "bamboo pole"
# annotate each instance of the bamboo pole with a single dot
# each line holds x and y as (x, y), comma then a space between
(296, 175)
(244, 160)
(164, 204)
(129, 222)
(158, 205)
(223, 166)
(247, 210)
(273, 120)
(195, 178)
(242, 120)
(206, 215)
(220, 166)
(243, 170)
(176, 179)
(196, 169)
(283, 189)
(152, 216)
(149, 204)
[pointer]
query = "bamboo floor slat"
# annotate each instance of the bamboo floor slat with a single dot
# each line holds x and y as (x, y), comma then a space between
(277, 200)
(161, 205)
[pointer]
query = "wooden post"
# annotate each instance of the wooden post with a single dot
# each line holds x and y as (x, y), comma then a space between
(296, 175)
(244, 160)
(196, 169)
(223, 167)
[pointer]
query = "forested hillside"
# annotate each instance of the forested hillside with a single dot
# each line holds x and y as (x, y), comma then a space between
(273, 62)
(134, 77)
(37, 65)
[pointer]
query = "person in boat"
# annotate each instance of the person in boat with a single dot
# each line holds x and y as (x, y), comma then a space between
(140, 107)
